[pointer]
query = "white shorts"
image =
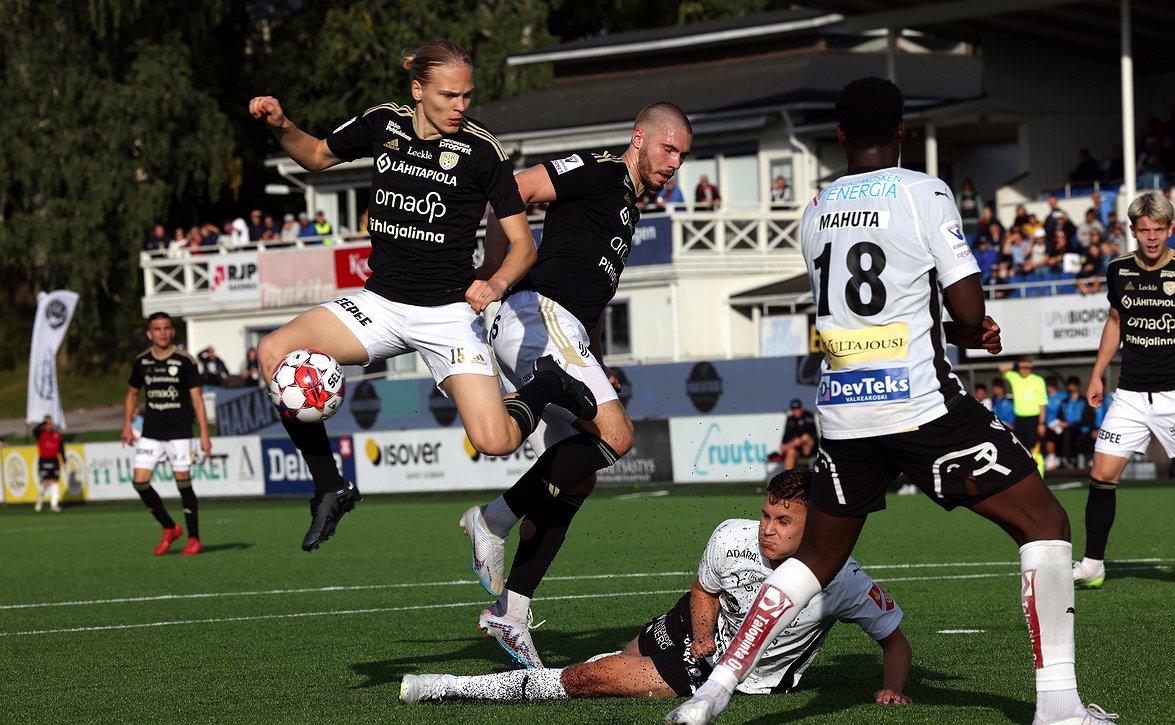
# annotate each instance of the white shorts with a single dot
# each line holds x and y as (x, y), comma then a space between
(451, 339)
(529, 326)
(149, 452)
(1132, 419)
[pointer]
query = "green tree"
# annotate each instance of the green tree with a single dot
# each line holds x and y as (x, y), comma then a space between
(106, 127)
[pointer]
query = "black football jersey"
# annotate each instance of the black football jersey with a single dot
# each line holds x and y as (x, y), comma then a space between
(1145, 301)
(427, 200)
(167, 384)
(587, 234)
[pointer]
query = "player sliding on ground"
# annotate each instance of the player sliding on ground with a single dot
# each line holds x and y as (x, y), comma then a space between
(673, 653)
(885, 253)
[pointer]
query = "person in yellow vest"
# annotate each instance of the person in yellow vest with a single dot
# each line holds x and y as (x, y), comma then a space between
(1029, 397)
(322, 228)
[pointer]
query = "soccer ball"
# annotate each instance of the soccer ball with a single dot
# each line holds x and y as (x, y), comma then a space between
(307, 386)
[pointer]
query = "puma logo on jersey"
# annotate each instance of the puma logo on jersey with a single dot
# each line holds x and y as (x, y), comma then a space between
(940, 193)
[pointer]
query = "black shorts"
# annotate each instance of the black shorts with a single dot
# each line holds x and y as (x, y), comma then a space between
(958, 459)
(48, 469)
(666, 640)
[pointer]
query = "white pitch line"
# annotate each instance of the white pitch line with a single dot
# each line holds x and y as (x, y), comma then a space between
(297, 615)
(465, 582)
(962, 631)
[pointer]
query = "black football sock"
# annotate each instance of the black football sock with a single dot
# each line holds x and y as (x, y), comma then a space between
(560, 468)
(532, 400)
(311, 440)
(154, 504)
(1100, 508)
(535, 555)
(191, 507)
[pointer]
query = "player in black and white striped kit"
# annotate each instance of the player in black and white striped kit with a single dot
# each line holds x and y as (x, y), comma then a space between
(886, 256)
(557, 310)
(434, 171)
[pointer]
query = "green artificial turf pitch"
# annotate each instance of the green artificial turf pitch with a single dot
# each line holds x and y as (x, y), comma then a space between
(94, 628)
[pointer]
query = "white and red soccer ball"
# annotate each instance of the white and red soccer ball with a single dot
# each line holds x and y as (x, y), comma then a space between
(307, 386)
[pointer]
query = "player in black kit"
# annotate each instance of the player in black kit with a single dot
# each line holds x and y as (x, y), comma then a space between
(171, 378)
(434, 171)
(1141, 289)
(556, 310)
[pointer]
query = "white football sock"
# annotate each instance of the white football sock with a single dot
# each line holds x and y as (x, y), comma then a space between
(498, 517)
(511, 686)
(781, 597)
(54, 492)
(512, 605)
(1048, 602)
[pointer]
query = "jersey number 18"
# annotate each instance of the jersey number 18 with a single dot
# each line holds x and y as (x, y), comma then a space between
(860, 277)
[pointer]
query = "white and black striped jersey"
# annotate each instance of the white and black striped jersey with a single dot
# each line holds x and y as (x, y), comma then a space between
(1145, 301)
(427, 199)
(880, 246)
(168, 413)
(587, 234)
(733, 567)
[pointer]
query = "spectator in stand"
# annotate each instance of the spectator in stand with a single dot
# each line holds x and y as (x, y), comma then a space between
(781, 194)
(1038, 255)
(1015, 250)
(157, 241)
(236, 234)
(214, 370)
(1057, 217)
(671, 197)
(1113, 166)
(706, 197)
(1021, 217)
(987, 219)
(1076, 423)
(1150, 164)
(322, 228)
(986, 257)
(209, 235)
(1029, 227)
(178, 246)
(1001, 404)
(1085, 229)
(290, 229)
(1058, 247)
(196, 241)
(1089, 277)
(256, 225)
(306, 228)
(1087, 171)
(251, 370)
(970, 207)
(981, 395)
(1053, 428)
(1101, 205)
(270, 231)
(799, 435)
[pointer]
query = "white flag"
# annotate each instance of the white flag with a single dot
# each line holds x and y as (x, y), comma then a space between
(54, 311)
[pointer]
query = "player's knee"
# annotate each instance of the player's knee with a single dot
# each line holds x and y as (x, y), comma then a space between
(582, 681)
(270, 351)
(491, 440)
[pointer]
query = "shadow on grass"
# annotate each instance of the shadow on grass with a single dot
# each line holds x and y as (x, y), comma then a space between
(1156, 571)
(558, 649)
(228, 546)
(844, 681)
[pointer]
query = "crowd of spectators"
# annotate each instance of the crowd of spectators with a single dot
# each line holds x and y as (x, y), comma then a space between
(260, 227)
(1071, 424)
(1056, 249)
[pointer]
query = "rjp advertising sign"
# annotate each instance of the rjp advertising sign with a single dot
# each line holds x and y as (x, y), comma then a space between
(234, 278)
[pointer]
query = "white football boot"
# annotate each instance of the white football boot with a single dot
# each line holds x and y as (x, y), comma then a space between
(423, 688)
(489, 551)
(1086, 576)
(513, 635)
(1090, 715)
(703, 708)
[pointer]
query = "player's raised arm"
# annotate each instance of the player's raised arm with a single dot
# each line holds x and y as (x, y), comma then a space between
(312, 154)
